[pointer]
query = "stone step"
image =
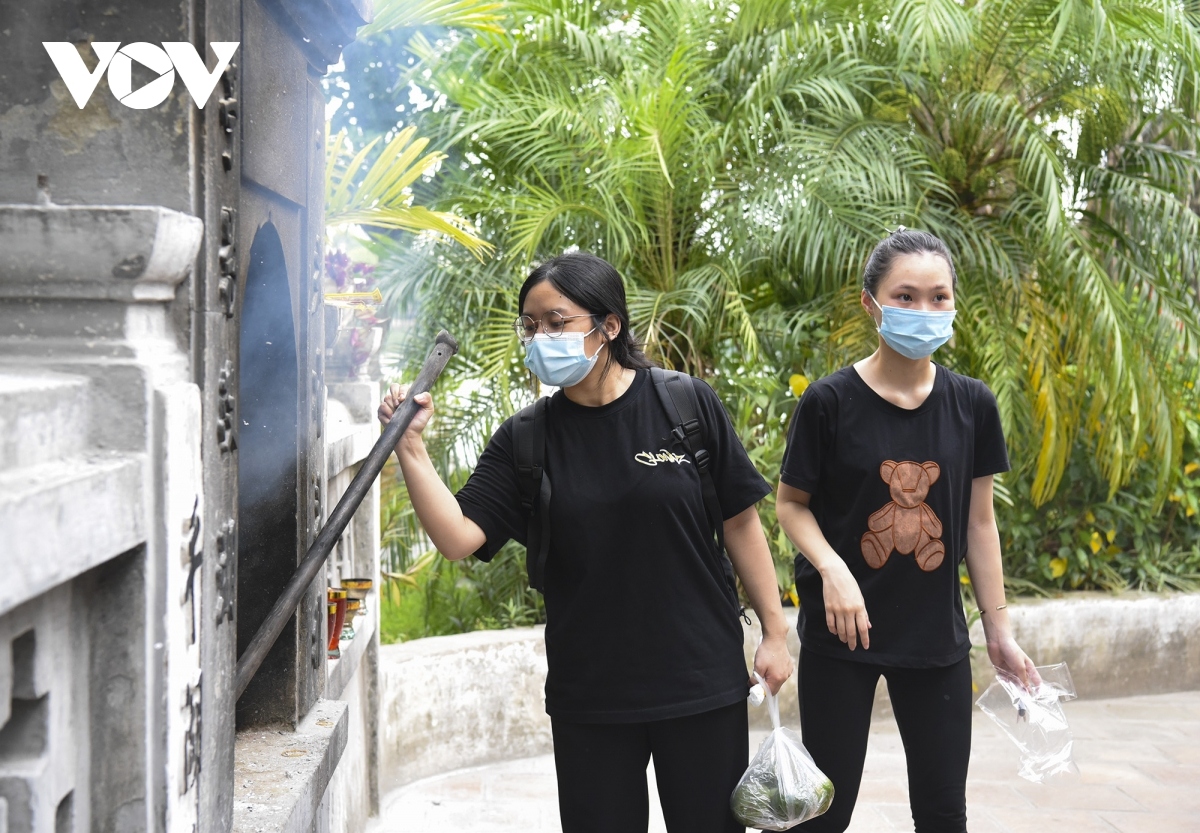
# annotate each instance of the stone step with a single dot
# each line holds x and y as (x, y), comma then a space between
(43, 417)
(61, 518)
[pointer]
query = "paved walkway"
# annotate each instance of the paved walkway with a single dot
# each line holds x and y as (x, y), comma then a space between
(1139, 759)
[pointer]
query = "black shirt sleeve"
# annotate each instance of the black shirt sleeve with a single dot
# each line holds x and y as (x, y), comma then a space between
(808, 439)
(991, 454)
(491, 496)
(738, 483)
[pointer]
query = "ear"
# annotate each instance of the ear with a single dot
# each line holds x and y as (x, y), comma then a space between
(867, 304)
(933, 470)
(612, 327)
(886, 469)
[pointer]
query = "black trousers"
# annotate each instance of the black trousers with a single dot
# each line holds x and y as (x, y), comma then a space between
(698, 760)
(933, 710)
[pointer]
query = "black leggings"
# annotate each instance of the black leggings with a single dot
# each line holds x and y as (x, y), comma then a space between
(933, 710)
(698, 760)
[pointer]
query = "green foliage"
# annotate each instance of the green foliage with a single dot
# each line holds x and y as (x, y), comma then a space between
(426, 595)
(451, 597)
(737, 162)
(1084, 539)
(381, 196)
(410, 14)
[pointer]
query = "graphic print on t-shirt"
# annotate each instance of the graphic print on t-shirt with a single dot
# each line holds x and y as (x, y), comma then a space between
(906, 524)
(653, 458)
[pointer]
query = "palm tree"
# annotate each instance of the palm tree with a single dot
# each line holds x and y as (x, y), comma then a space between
(1064, 139)
(736, 162)
(372, 189)
(381, 196)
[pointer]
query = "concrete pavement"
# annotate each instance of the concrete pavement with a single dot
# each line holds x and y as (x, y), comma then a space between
(1139, 760)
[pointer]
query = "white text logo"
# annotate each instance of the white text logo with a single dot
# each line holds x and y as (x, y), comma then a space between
(651, 458)
(118, 61)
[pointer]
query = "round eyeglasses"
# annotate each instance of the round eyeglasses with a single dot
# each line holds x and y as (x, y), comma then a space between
(552, 324)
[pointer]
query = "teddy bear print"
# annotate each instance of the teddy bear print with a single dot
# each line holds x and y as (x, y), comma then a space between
(906, 524)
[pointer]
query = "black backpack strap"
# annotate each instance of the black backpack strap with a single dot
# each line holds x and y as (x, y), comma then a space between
(529, 444)
(677, 393)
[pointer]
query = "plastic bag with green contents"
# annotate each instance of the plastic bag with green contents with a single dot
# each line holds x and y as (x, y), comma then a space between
(782, 786)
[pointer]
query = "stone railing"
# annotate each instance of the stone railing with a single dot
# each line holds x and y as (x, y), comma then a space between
(100, 497)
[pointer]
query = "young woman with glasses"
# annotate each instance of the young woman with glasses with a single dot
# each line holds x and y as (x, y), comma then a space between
(885, 488)
(643, 639)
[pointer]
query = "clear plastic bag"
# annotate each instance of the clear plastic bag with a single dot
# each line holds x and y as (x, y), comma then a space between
(1033, 718)
(782, 787)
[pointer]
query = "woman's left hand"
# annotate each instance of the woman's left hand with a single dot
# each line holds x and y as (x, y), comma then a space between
(773, 662)
(1006, 655)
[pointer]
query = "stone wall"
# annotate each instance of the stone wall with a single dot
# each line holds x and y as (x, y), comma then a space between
(451, 702)
(131, 243)
(99, 499)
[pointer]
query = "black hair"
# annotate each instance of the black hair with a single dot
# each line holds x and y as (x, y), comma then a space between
(596, 286)
(900, 242)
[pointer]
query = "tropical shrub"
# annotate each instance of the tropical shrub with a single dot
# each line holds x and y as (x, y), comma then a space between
(737, 161)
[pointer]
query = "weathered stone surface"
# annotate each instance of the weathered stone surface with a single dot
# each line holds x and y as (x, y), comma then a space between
(117, 680)
(109, 252)
(273, 86)
(450, 702)
(1114, 645)
(360, 399)
(454, 701)
(177, 704)
(64, 517)
(43, 416)
(41, 641)
(348, 804)
(101, 460)
(346, 441)
(106, 152)
(280, 776)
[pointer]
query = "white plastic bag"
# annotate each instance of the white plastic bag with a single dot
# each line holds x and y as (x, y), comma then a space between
(782, 787)
(1033, 718)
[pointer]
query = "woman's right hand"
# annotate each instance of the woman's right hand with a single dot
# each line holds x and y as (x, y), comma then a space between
(391, 402)
(845, 610)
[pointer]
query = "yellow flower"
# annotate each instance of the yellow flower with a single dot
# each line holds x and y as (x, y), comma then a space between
(1089, 517)
(798, 383)
(1175, 498)
(1058, 566)
(964, 579)
(1112, 533)
(791, 594)
(1190, 511)
(1095, 543)
(1191, 467)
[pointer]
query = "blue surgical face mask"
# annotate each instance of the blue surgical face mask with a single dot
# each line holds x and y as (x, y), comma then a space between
(560, 361)
(915, 333)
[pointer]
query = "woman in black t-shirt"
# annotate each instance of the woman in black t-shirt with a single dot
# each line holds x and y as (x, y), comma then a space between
(643, 636)
(885, 487)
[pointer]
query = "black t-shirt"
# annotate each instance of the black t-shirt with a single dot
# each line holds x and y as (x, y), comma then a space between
(640, 623)
(891, 491)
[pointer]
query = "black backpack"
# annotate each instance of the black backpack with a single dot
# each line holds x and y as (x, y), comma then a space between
(678, 397)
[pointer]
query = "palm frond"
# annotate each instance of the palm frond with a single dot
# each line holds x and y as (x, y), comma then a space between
(483, 15)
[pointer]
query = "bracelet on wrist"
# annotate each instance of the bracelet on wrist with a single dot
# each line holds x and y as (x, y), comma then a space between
(998, 607)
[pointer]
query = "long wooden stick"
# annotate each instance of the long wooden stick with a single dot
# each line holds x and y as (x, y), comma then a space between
(248, 663)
